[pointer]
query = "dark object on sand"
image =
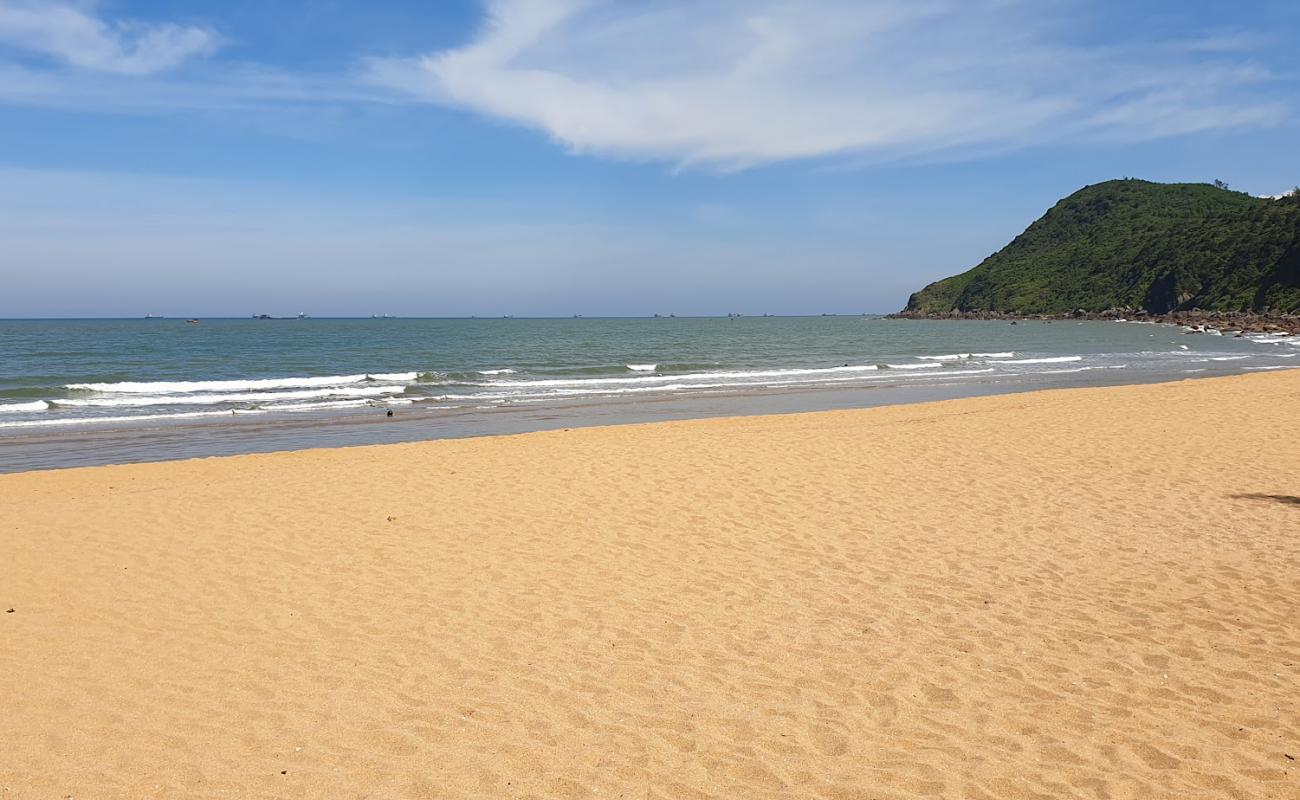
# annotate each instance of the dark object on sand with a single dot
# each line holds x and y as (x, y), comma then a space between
(390, 412)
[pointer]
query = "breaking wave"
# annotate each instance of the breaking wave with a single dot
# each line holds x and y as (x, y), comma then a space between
(177, 387)
(215, 399)
(960, 356)
(1051, 360)
(18, 408)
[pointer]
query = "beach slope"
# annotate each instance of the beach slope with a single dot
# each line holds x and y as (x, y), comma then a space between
(1090, 593)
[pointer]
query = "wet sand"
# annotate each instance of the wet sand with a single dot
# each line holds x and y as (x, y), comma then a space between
(1090, 593)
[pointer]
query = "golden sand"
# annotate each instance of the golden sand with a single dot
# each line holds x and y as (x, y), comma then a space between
(1088, 593)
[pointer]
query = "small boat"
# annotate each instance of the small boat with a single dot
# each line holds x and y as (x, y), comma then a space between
(191, 322)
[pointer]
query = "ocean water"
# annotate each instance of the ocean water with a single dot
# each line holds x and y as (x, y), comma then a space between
(75, 392)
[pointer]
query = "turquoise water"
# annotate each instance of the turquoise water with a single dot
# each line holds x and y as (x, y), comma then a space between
(69, 389)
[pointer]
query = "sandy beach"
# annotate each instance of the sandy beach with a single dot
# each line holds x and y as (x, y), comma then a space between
(1090, 593)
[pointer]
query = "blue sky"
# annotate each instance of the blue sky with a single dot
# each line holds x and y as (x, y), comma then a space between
(549, 157)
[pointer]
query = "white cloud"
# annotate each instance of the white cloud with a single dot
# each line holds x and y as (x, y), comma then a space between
(71, 33)
(731, 84)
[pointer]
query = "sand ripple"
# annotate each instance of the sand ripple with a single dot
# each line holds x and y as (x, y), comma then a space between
(1082, 594)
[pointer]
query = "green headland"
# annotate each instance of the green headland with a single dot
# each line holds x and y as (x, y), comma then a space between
(1136, 246)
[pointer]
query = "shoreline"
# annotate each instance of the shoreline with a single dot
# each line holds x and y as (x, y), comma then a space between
(91, 446)
(1227, 322)
(991, 597)
(296, 387)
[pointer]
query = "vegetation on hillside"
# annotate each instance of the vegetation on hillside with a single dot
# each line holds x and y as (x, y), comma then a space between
(1141, 245)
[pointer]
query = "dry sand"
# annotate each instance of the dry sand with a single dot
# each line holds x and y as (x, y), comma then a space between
(1088, 593)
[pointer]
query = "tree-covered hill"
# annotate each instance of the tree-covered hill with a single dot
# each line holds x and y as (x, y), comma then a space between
(1141, 245)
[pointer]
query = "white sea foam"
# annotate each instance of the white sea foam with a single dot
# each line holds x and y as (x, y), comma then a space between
(951, 373)
(522, 394)
(960, 356)
(18, 408)
(694, 376)
(1228, 358)
(885, 377)
(173, 387)
(1052, 360)
(1275, 366)
(319, 406)
(523, 391)
(39, 423)
(231, 397)
(1277, 339)
(357, 390)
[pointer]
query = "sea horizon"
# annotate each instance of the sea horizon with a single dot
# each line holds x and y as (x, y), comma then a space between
(292, 317)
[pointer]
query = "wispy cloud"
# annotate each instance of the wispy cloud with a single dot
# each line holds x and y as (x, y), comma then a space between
(66, 56)
(74, 35)
(732, 84)
(727, 84)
